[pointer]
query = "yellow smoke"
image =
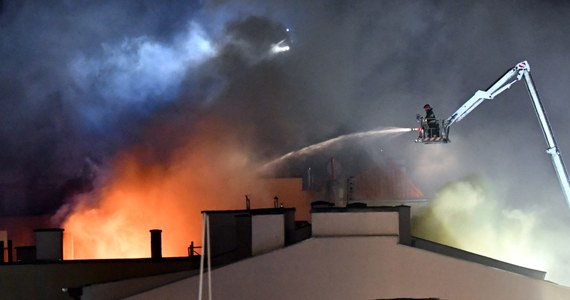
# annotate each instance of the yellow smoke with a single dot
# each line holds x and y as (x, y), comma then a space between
(468, 215)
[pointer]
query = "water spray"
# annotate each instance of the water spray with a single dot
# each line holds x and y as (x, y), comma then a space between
(322, 145)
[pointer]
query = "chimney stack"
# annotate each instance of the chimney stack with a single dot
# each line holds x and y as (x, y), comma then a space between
(155, 243)
(10, 253)
(49, 244)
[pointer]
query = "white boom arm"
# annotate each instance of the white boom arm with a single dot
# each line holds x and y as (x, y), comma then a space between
(513, 75)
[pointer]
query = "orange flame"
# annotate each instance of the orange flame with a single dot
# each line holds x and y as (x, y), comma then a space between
(211, 171)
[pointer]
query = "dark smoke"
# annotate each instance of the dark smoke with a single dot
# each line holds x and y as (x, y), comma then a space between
(50, 123)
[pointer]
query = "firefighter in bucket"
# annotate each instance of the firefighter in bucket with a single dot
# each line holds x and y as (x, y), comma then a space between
(430, 124)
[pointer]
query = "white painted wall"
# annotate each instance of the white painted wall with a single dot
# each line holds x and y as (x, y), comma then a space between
(355, 223)
(267, 233)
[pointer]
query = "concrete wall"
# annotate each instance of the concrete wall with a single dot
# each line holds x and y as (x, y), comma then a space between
(267, 233)
(46, 280)
(355, 223)
(124, 288)
(49, 244)
(362, 254)
(383, 220)
(360, 268)
(236, 234)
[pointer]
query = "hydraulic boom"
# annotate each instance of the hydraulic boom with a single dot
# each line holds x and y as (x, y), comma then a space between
(517, 73)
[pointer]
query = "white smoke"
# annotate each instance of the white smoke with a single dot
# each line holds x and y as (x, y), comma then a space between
(141, 67)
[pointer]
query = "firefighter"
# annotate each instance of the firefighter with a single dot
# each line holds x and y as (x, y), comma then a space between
(431, 122)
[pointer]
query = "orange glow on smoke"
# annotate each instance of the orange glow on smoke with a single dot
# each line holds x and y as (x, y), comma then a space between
(211, 171)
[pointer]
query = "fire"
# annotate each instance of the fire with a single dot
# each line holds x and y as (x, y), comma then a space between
(211, 171)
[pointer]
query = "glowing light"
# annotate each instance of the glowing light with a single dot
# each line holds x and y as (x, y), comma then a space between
(281, 46)
(114, 221)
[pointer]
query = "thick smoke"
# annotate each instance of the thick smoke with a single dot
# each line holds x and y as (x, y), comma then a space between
(78, 80)
(90, 80)
(142, 69)
(467, 214)
(211, 170)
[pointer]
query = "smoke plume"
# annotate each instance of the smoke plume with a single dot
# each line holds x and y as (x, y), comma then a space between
(211, 170)
(467, 214)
